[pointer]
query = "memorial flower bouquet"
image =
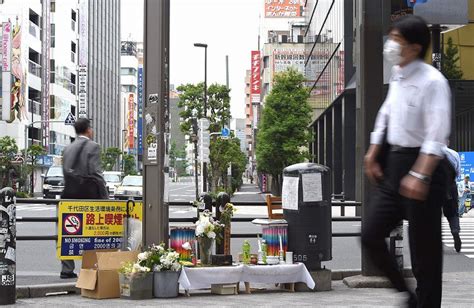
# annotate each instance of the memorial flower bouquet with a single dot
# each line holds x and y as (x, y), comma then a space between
(131, 268)
(160, 259)
(207, 227)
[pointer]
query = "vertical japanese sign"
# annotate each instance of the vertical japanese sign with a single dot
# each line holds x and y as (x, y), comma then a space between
(131, 122)
(140, 110)
(83, 57)
(283, 8)
(255, 85)
(90, 225)
(6, 68)
(45, 80)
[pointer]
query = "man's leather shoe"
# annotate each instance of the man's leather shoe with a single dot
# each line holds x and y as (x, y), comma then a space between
(67, 275)
(457, 242)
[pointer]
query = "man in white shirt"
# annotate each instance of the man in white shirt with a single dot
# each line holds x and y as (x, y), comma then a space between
(415, 120)
(464, 192)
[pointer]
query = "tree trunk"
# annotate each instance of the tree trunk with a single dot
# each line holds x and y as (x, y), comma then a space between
(276, 185)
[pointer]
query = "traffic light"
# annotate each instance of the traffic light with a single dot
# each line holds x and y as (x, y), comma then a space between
(204, 140)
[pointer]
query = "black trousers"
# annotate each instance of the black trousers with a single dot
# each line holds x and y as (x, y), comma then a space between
(387, 207)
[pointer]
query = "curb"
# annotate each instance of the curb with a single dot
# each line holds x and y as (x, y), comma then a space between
(43, 290)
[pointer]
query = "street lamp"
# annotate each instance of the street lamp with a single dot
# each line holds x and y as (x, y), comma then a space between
(204, 164)
(124, 136)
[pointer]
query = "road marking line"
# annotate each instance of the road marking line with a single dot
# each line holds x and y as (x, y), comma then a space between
(467, 250)
(470, 256)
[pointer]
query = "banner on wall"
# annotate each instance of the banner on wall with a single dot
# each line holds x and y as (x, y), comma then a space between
(140, 110)
(255, 83)
(131, 122)
(6, 70)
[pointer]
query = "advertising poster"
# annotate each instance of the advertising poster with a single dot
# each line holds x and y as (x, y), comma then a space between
(90, 225)
(467, 165)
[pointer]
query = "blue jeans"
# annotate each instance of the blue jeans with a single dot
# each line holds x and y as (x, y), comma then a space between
(462, 206)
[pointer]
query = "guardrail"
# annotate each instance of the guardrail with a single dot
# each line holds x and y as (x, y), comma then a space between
(55, 202)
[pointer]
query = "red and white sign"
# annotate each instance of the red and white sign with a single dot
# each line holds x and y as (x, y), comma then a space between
(283, 8)
(72, 224)
(255, 84)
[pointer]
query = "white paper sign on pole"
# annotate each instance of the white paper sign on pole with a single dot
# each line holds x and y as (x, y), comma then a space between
(290, 193)
(312, 187)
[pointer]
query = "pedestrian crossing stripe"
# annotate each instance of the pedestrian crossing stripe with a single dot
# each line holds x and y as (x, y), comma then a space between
(469, 256)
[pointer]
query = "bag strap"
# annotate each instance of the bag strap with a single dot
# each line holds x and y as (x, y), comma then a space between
(78, 155)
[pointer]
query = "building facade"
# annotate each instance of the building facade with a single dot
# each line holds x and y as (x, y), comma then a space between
(103, 70)
(39, 76)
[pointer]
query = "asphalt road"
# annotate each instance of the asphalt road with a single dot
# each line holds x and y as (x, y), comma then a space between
(38, 258)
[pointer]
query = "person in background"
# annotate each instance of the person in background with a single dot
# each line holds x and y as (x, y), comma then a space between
(415, 121)
(82, 175)
(450, 209)
(464, 192)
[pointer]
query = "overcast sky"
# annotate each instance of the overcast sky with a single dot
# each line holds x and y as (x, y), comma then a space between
(229, 27)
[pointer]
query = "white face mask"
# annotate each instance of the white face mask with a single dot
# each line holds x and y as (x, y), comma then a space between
(392, 52)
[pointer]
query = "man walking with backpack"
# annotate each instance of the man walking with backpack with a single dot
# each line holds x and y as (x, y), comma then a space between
(82, 175)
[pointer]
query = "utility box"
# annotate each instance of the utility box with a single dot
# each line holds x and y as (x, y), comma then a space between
(306, 202)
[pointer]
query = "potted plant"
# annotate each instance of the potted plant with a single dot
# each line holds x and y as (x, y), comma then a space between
(207, 230)
(166, 270)
(135, 281)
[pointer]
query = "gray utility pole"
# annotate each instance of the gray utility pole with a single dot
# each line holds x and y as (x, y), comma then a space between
(156, 118)
(369, 96)
(204, 164)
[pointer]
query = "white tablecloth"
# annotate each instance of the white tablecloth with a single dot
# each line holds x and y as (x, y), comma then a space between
(204, 277)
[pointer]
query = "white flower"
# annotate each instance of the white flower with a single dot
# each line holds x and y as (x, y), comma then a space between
(199, 230)
(142, 256)
(186, 246)
(211, 234)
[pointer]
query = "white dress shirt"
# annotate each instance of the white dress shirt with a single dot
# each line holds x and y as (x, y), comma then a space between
(417, 110)
(454, 160)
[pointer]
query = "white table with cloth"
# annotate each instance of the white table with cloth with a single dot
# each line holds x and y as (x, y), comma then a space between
(193, 278)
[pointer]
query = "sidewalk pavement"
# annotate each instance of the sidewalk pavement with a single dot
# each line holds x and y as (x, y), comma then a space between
(456, 293)
(248, 193)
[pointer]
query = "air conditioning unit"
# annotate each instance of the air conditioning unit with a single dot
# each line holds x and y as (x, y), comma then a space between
(282, 38)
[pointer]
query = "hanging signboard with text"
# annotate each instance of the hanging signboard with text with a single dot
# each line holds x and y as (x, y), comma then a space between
(90, 225)
(283, 8)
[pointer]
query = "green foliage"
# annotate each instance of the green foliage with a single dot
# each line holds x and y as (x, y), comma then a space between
(450, 66)
(22, 194)
(223, 153)
(191, 100)
(178, 159)
(109, 158)
(8, 150)
(283, 134)
(129, 165)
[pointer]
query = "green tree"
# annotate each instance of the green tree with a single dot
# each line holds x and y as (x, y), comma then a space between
(223, 154)
(191, 100)
(33, 153)
(218, 112)
(450, 67)
(8, 150)
(178, 159)
(129, 165)
(109, 158)
(283, 134)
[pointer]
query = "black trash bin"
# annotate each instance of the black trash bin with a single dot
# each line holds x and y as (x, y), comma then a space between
(309, 213)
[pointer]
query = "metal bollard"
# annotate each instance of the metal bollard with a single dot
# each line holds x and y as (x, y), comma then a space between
(7, 246)
(396, 244)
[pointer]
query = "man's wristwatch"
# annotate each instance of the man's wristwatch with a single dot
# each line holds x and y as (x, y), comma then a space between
(422, 177)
